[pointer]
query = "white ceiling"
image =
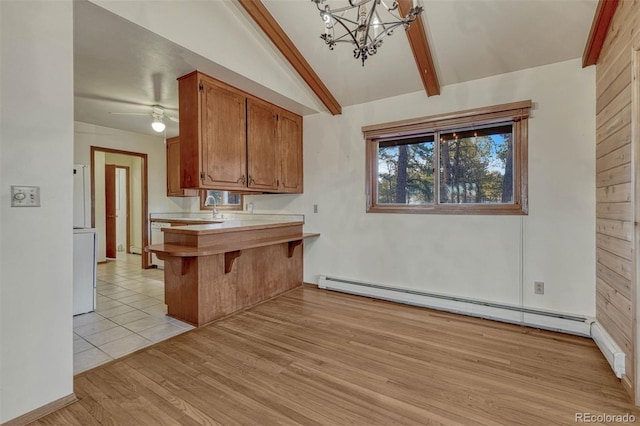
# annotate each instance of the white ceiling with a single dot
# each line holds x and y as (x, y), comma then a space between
(121, 67)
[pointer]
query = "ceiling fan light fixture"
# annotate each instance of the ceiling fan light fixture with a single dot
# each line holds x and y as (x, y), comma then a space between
(363, 23)
(158, 125)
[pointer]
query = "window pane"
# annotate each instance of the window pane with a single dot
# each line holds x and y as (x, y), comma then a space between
(224, 198)
(476, 166)
(233, 199)
(406, 171)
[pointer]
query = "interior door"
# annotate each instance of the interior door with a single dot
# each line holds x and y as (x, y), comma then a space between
(110, 209)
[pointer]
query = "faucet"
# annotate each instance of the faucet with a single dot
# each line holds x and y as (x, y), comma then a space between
(214, 204)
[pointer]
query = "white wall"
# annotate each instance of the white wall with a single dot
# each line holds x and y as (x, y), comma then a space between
(100, 203)
(87, 135)
(218, 31)
(36, 145)
(121, 209)
(136, 204)
(469, 256)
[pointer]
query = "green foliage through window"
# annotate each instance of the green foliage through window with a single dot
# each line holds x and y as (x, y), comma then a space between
(475, 166)
(405, 171)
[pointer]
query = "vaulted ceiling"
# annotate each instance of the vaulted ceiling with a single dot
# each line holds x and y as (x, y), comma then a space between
(122, 67)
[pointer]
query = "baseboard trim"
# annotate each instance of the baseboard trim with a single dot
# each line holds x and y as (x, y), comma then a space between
(38, 413)
(610, 349)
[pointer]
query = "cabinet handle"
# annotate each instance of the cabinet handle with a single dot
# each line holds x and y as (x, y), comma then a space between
(242, 180)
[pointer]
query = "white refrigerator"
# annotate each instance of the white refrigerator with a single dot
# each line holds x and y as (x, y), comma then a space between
(81, 196)
(84, 270)
(84, 243)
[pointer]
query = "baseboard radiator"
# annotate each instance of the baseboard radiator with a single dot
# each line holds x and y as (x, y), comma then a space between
(609, 348)
(565, 323)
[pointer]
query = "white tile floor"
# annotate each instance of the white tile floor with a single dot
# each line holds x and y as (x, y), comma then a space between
(130, 314)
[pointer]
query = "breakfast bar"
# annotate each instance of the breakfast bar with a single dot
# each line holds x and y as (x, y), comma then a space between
(214, 270)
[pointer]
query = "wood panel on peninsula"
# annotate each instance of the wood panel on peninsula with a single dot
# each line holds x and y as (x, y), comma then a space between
(214, 270)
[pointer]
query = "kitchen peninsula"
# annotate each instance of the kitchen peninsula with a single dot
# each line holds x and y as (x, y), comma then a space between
(214, 270)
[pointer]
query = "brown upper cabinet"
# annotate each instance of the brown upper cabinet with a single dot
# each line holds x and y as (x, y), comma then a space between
(173, 171)
(290, 128)
(233, 141)
(262, 145)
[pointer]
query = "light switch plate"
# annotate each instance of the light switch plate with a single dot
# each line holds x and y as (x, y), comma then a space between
(25, 196)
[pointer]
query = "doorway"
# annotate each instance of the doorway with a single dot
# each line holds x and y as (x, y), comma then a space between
(119, 203)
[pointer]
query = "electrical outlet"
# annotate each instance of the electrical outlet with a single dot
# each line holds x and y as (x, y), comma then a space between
(315, 208)
(538, 287)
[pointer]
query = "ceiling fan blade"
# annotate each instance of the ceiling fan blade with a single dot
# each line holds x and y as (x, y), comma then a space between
(157, 87)
(129, 113)
(172, 118)
(94, 97)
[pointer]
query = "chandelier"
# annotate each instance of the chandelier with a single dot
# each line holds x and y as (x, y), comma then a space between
(359, 23)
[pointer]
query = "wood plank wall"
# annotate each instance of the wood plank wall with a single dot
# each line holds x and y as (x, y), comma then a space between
(614, 185)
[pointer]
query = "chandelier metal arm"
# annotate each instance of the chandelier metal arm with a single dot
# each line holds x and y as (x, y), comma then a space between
(339, 21)
(342, 9)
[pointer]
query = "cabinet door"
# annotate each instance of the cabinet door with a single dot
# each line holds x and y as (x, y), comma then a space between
(173, 171)
(223, 136)
(262, 145)
(290, 152)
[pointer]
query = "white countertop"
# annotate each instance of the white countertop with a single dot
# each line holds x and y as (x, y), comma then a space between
(226, 215)
(236, 224)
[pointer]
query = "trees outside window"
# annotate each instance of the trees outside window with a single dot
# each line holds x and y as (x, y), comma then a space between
(405, 171)
(477, 166)
(225, 200)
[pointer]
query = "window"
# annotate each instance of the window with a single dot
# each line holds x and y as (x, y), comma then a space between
(472, 162)
(224, 200)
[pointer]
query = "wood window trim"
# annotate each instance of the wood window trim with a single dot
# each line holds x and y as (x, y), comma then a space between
(518, 112)
(228, 207)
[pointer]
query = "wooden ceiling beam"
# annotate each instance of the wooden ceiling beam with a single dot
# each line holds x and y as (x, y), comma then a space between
(276, 34)
(599, 29)
(421, 52)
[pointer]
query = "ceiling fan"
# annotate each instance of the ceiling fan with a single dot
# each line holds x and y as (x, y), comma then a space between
(157, 113)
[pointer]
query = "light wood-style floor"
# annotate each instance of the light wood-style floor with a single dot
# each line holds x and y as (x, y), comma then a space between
(315, 357)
